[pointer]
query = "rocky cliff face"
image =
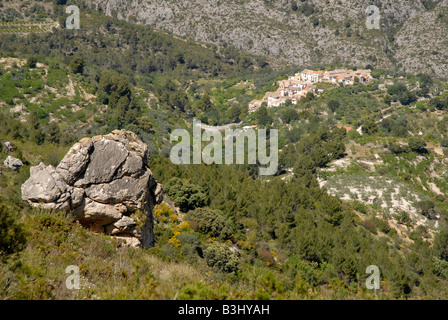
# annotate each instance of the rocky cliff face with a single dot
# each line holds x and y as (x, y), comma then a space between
(103, 181)
(305, 32)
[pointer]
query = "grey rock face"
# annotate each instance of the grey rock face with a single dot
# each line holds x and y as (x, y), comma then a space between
(315, 33)
(75, 161)
(125, 225)
(12, 163)
(102, 180)
(46, 186)
(104, 161)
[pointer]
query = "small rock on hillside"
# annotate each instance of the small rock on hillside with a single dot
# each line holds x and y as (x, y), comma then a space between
(12, 163)
(8, 146)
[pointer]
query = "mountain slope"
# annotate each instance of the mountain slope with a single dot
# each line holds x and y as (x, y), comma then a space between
(302, 32)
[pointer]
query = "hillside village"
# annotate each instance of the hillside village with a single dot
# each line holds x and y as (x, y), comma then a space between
(302, 83)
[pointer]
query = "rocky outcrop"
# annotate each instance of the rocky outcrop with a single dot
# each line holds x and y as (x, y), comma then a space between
(12, 163)
(104, 182)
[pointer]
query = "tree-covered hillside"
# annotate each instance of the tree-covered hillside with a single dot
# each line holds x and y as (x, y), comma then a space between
(223, 231)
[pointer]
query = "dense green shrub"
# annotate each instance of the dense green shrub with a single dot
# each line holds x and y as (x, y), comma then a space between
(186, 195)
(77, 65)
(289, 115)
(220, 256)
(333, 105)
(444, 143)
(394, 126)
(209, 222)
(359, 206)
(417, 144)
(263, 116)
(370, 127)
(31, 62)
(190, 246)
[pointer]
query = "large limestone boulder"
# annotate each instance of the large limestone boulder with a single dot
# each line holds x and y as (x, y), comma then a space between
(103, 181)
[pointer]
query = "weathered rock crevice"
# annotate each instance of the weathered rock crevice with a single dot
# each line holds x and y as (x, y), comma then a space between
(102, 181)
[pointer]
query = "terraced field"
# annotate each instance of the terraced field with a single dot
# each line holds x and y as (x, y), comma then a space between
(27, 26)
